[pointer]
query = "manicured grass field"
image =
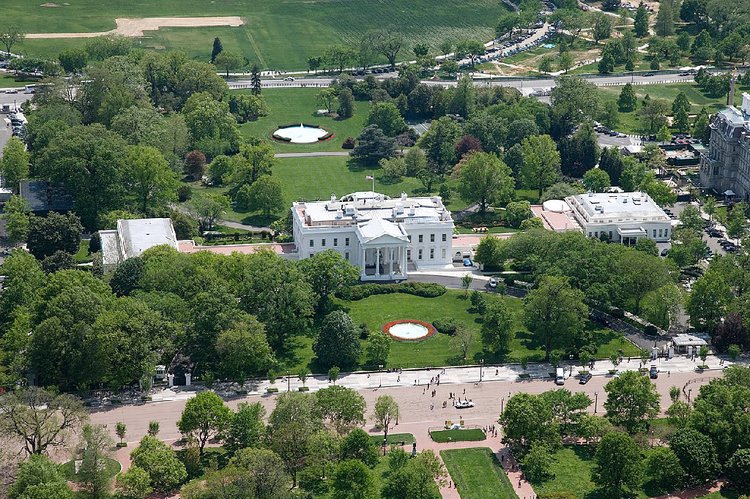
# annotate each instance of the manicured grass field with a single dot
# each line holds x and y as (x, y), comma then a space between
(9, 81)
(111, 466)
(477, 474)
(631, 122)
(277, 35)
(470, 435)
(393, 439)
(297, 105)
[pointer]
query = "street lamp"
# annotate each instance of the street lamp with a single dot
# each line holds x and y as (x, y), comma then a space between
(502, 404)
(288, 387)
(596, 401)
(385, 442)
(690, 391)
(380, 367)
(481, 369)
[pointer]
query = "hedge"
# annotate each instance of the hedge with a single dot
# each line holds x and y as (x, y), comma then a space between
(361, 291)
(446, 325)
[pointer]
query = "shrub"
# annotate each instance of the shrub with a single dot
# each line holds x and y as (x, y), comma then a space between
(617, 313)
(650, 330)
(184, 193)
(446, 325)
(348, 143)
(361, 291)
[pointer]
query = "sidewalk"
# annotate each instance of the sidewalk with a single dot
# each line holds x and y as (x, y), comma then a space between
(448, 376)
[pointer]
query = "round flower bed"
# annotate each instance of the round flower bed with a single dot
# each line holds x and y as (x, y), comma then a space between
(409, 330)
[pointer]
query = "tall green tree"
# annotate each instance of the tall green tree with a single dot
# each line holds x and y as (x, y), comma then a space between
(385, 413)
(14, 163)
(632, 401)
(165, 471)
(246, 427)
(541, 162)
(627, 101)
(640, 26)
(338, 341)
(497, 325)
(485, 179)
(385, 115)
(342, 408)
(229, 61)
(204, 416)
(216, 49)
(151, 181)
(328, 272)
(243, 350)
(439, 144)
(619, 464)
(17, 219)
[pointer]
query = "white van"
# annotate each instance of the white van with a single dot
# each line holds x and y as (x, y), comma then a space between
(559, 376)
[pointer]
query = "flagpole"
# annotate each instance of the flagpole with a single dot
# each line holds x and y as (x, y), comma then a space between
(373, 182)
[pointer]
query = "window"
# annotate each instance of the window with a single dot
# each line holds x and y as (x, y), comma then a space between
(346, 242)
(443, 254)
(419, 256)
(432, 238)
(323, 242)
(421, 238)
(409, 237)
(312, 243)
(335, 241)
(660, 232)
(610, 234)
(445, 237)
(346, 255)
(432, 253)
(655, 232)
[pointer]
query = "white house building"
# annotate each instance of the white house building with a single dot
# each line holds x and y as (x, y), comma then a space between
(623, 216)
(383, 236)
(133, 237)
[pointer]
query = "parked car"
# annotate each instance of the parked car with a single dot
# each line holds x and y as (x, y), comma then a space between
(559, 376)
(585, 378)
(665, 252)
(289, 78)
(493, 282)
(653, 373)
(468, 262)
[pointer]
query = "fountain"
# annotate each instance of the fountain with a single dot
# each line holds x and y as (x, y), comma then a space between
(301, 134)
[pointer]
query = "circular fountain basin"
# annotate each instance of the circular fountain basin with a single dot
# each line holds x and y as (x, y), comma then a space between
(300, 134)
(409, 330)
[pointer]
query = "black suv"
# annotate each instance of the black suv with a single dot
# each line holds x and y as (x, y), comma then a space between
(653, 373)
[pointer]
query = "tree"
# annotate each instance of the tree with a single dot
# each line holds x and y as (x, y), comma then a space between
(343, 408)
(541, 162)
(607, 62)
(265, 195)
(204, 416)
(618, 463)
(565, 61)
(738, 469)
(328, 272)
(292, 425)
(247, 107)
(94, 449)
(462, 341)
(484, 178)
(378, 349)
(337, 343)
(415, 161)
(243, 350)
(17, 220)
(537, 463)
(120, 430)
(14, 163)
(596, 180)
(497, 324)
(580, 152)
(697, 455)
(373, 145)
(385, 115)
(150, 179)
(527, 421)
(195, 164)
(246, 427)
(229, 61)
(662, 306)
(654, 112)
(385, 414)
(353, 480)
(627, 101)
(708, 301)
(358, 445)
(416, 478)
(463, 98)
(737, 221)
(9, 36)
(640, 26)
(134, 484)
(439, 144)
(252, 162)
(165, 471)
(208, 209)
(90, 162)
(664, 135)
(346, 103)
(632, 401)
(602, 27)
(554, 312)
(220, 170)
(664, 25)
(212, 127)
(255, 79)
(664, 468)
(41, 419)
(39, 478)
(701, 130)
(216, 49)
(387, 43)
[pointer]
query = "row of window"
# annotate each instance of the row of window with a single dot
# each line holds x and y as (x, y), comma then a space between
(661, 232)
(346, 240)
(432, 254)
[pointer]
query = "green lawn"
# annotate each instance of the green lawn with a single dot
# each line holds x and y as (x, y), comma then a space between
(477, 474)
(68, 469)
(469, 435)
(10, 81)
(278, 35)
(631, 123)
(83, 255)
(317, 178)
(394, 439)
(297, 105)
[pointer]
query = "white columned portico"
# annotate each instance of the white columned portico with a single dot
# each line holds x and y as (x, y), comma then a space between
(377, 262)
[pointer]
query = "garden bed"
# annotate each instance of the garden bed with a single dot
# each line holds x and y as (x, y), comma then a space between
(464, 435)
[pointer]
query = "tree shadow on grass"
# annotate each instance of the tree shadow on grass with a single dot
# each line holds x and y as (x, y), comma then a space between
(259, 220)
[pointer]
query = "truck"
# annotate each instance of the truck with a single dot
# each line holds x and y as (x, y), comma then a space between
(559, 376)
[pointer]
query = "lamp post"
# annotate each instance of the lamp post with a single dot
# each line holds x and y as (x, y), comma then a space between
(380, 368)
(481, 369)
(596, 401)
(690, 391)
(288, 383)
(502, 405)
(385, 442)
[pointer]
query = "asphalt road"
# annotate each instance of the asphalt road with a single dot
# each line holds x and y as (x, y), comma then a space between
(5, 131)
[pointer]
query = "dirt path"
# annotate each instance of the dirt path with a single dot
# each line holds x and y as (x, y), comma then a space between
(136, 27)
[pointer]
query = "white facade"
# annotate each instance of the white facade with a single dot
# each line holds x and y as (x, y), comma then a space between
(382, 236)
(133, 237)
(622, 217)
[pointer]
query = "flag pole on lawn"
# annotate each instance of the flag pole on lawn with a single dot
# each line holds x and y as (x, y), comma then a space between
(371, 177)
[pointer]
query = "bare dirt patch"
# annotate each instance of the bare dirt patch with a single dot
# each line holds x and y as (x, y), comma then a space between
(49, 4)
(136, 27)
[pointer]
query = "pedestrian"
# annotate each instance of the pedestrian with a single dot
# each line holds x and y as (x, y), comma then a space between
(398, 379)
(464, 391)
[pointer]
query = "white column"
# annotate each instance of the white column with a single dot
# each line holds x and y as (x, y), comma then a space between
(404, 259)
(391, 256)
(363, 261)
(377, 262)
